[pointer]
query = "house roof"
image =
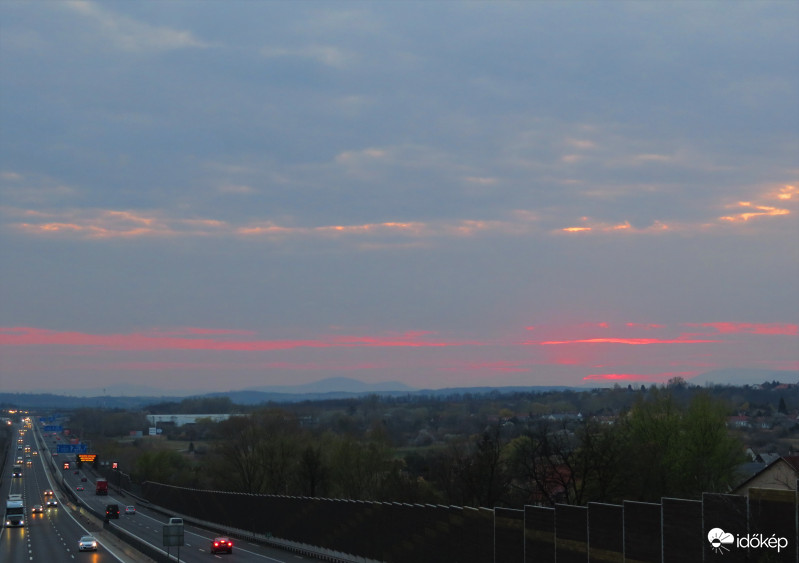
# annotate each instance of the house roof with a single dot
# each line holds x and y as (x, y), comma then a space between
(768, 458)
(749, 469)
(792, 461)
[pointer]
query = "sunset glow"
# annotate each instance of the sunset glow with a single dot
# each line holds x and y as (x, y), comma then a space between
(754, 328)
(629, 341)
(632, 377)
(302, 190)
(246, 350)
(26, 336)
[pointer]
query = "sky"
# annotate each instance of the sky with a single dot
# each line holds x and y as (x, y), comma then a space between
(217, 195)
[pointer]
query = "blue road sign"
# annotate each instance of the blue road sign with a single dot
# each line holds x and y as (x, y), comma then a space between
(53, 428)
(72, 448)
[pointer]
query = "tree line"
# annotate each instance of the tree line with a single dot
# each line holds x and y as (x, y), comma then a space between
(659, 446)
(493, 449)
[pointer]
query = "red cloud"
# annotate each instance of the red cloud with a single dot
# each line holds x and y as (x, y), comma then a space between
(629, 341)
(753, 328)
(227, 366)
(27, 336)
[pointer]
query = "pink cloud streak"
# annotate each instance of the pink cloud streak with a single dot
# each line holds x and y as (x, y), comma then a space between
(629, 341)
(27, 336)
(753, 328)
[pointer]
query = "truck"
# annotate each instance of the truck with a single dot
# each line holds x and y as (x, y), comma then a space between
(15, 511)
(101, 487)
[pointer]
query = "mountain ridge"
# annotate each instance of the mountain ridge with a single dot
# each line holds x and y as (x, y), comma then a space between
(334, 388)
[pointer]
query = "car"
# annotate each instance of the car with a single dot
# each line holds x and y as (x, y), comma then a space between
(221, 545)
(48, 492)
(131, 510)
(87, 543)
(35, 452)
(176, 520)
(52, 503)
(83, 479)
(67, 467)
(37, 509)
(112, 511)
(79, 488)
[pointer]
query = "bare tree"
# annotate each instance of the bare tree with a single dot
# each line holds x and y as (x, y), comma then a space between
(483, 474)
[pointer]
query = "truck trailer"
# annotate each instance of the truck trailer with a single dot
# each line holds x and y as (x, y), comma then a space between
(15, 511)
(101, 487)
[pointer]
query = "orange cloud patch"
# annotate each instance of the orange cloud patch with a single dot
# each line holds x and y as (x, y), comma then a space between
(756, 211)
(787, 192)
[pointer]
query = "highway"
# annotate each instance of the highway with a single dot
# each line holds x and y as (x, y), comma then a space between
(53, 536)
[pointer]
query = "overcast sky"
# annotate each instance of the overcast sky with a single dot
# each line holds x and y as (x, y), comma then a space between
(215, 195)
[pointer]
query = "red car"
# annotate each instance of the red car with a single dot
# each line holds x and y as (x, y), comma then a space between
(221, 544)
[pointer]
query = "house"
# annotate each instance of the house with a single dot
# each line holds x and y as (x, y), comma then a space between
(781, 473)
(740, 421)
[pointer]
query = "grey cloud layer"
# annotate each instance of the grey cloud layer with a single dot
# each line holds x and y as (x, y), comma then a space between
(397, 165)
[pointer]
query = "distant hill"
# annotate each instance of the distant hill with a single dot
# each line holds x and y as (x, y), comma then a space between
(736, 376)
(256, 397)
(330, 389)
(501, 390)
